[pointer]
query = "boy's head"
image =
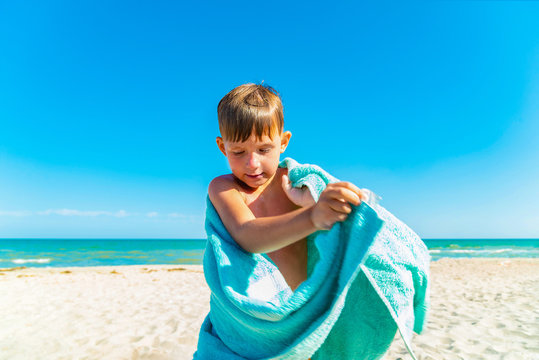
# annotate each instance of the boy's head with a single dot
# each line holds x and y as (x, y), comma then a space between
(250, 109)
(251, 124)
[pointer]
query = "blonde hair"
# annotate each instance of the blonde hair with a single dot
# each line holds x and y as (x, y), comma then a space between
(250, 108)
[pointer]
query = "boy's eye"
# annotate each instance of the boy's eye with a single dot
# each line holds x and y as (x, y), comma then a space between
(237, 152)
(264, 150)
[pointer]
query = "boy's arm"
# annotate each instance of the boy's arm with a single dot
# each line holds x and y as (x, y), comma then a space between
(267, 234)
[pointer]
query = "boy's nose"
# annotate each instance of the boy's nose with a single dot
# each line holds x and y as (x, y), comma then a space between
(252, 161)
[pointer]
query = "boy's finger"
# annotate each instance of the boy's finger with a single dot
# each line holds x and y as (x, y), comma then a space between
(344, 194)
(352, 187)
(340, 206)
(352, 197)
(286, 184)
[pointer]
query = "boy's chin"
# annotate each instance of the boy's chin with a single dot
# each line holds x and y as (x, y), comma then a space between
(254, 182)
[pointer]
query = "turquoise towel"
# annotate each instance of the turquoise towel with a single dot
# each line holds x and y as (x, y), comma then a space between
(367, 277)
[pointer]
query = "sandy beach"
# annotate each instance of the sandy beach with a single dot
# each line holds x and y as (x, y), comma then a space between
(480, 309)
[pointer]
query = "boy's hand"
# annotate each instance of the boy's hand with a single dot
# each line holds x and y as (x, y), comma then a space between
(334, 204)
(299, 196)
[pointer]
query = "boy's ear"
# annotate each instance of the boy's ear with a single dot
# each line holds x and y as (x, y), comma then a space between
(285, 139)
(221, 144)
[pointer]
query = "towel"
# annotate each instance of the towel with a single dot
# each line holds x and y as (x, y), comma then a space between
(367, 278)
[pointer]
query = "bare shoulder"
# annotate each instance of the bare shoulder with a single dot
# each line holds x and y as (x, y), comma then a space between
(220, 183)
(223, 187)
(228, 200)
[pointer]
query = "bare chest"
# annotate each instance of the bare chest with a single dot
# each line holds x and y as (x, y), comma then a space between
(271, 204)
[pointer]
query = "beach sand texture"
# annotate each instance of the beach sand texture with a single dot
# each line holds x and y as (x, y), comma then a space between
(481, 309)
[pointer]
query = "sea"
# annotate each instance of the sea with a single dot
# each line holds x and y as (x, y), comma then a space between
(113, 252)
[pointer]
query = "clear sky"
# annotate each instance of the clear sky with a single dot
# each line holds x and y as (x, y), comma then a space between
(108, 109)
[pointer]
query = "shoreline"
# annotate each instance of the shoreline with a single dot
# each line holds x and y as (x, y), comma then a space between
(481, 308)
(194, 266)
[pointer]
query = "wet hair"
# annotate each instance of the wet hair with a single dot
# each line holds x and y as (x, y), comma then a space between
(250, 108)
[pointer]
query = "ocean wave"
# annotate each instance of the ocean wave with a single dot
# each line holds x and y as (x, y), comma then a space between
(471, 251)
(24, 261)
(502, 250)
(485, 253)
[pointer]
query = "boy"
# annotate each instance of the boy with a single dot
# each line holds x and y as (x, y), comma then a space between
(256, 203)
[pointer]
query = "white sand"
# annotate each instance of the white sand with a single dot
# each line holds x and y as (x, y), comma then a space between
(122, 312)
(481, 309)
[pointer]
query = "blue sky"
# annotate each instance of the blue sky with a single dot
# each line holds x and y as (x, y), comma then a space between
(108, 110)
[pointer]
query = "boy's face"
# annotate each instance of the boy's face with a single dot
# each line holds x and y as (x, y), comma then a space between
(254, 161)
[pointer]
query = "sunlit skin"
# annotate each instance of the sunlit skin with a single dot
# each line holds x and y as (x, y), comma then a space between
(264, 214)
(254, 162)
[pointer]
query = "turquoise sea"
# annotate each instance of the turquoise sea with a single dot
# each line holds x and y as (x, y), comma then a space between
(104, 252)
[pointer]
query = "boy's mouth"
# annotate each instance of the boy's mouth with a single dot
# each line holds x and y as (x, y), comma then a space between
(255, 176)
